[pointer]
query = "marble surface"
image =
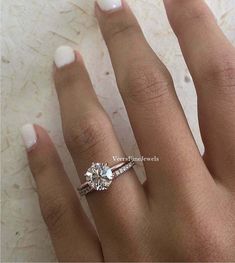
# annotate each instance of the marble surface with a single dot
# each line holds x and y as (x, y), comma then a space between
(31, 31)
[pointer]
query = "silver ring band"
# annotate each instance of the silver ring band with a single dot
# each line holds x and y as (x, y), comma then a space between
(99, 176)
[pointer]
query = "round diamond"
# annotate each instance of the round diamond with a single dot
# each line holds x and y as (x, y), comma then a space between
(99, 176)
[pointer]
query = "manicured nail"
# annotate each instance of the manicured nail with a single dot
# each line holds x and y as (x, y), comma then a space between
(110, 5)
(64, 55)
(29, 136)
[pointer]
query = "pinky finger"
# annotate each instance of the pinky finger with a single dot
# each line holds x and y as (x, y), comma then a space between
(73, 237)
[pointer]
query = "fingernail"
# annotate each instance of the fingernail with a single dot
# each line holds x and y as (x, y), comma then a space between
(110, 5)
(29, 135)
(64, 55)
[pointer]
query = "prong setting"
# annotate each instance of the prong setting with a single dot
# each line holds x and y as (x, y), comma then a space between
(99, 176)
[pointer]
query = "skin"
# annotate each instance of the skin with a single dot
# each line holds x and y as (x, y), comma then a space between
(185, 211)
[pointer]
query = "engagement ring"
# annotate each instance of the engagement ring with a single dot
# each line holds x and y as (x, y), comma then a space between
(100, 176)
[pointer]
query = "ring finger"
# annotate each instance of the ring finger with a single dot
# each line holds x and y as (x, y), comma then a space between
(90, 138)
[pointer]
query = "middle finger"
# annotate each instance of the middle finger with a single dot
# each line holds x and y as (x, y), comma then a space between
(155, 113)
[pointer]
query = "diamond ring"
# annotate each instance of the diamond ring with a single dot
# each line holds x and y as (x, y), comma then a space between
(100, 176)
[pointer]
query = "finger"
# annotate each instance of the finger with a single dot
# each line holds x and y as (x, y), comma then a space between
(73, 237)
(211, 60)
(90, 138)
(147, 89)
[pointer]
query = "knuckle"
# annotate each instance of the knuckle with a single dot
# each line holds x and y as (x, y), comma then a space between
(54, 211)
(212, 242)
(199, 14)
(44, 166)
(88, 133)
(211, 237)
(40, 168)
(66, 77)
(189, 15)
(221, 76)
(145, 85)
(120, 29)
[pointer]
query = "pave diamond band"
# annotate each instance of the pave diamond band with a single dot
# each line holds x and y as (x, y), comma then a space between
(127, 166)
(100, 176)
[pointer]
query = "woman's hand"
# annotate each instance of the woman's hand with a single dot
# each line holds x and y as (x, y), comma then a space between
(185, 211)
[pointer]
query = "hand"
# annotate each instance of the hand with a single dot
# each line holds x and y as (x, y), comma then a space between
(185, 211)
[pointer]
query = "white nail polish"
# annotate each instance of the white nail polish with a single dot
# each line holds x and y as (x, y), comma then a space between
(64, 55)
(110, 5)
(29, 135)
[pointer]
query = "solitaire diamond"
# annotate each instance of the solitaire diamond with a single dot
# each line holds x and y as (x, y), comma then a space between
(99, 176)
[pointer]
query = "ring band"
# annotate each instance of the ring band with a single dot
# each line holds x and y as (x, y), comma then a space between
(100, 176)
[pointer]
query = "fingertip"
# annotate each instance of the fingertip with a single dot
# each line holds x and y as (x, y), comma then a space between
(41, 132)
(29, 136)
(64, 55)
(79, 57)
(34, 137)
(109, 6)
(42, 154)
(97, 10)
(167, 2)
(44, 141)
